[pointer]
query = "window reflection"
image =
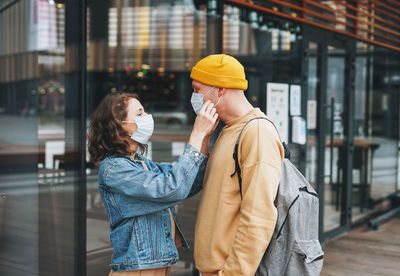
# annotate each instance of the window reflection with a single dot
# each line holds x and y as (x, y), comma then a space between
(147, 48)
(376, 121)
(269, 49)
(35, 192)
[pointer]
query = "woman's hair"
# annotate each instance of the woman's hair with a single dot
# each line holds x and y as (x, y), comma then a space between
(105, 133)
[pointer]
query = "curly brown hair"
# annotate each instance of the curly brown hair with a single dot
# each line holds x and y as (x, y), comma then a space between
(105, 133)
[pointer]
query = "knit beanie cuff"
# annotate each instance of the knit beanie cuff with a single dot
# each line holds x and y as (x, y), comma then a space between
(222, 81)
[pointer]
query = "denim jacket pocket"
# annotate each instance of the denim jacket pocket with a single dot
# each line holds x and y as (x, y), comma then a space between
(138, 234)
(111, 205)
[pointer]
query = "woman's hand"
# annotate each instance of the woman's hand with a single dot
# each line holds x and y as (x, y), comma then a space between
(205, 123)
(207, 120)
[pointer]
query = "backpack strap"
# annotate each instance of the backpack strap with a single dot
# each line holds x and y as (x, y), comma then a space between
(236, 150)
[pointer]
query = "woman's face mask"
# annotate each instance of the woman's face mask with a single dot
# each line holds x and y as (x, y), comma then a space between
(145, 128)
(197, 100)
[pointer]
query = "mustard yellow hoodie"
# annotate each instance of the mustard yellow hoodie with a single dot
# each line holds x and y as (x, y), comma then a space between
(231, 234)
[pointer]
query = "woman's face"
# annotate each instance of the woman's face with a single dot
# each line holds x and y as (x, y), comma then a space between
(134, 111)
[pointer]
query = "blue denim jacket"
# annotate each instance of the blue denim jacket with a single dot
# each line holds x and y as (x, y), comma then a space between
(137, 202)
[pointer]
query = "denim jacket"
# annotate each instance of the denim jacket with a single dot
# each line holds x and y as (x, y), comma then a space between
(137, 202)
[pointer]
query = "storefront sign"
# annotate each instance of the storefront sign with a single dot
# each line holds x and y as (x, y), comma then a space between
(298, 130)
(277, 107)
(311, 114)
(295, 100)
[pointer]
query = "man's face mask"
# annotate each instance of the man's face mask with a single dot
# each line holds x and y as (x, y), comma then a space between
(197, 100)
(145, 128)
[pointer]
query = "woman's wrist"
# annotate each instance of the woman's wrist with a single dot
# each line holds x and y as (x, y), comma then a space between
(204, 146)
(196, 140)
(199, 134)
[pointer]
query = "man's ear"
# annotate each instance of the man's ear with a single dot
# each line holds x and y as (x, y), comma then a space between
(221, 91)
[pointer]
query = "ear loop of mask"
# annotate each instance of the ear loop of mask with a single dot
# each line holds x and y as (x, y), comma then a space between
(218, 100)
(209, 90)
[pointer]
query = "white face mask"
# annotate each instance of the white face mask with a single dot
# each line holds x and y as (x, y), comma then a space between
(145, 128)
(197, 100)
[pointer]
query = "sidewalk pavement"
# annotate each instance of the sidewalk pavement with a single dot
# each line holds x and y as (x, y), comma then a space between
(365, 252)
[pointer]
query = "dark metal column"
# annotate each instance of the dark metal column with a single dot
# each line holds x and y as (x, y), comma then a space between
(320, 131)
(348, 143)
(98, 60)
(304, 95)
(215, 10)
(75, 122)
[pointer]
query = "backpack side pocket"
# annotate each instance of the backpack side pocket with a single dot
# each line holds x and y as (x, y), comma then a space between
(307, 258)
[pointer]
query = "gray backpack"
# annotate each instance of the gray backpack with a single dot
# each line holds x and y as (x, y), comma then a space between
(294, 249)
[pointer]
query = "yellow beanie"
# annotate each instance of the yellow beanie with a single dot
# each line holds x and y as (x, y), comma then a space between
(221, 71)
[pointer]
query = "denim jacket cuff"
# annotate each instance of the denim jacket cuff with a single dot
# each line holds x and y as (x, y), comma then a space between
(194, 153)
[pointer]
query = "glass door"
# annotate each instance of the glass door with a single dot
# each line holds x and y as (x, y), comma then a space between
(329, 148)
(335, 150)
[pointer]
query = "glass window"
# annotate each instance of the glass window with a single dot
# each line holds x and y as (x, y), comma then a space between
(37, 177)
(146, 48)
(376, 123)
(270, 50)
(334, 136)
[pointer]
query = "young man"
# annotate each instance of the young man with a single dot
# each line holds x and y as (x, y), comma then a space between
(232, 233)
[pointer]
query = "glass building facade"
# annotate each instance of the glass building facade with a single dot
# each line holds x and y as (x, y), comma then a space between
(58, 59)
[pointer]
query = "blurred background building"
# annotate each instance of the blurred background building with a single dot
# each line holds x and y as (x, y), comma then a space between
(328, 72)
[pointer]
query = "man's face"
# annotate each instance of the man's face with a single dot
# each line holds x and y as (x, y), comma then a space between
(205, 90)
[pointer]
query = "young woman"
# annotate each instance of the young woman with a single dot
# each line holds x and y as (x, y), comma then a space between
(139, 195)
